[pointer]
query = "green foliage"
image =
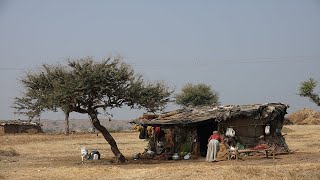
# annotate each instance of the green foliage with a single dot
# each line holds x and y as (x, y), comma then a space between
(43, 91)
(307, 90)
(196, 95)
(85, 85)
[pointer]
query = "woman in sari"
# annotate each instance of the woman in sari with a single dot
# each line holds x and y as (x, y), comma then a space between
(213, 147)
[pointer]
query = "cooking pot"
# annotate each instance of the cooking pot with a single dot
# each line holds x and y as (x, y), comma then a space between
(176, 156)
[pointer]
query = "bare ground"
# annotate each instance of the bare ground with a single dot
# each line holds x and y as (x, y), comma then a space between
(58, 157)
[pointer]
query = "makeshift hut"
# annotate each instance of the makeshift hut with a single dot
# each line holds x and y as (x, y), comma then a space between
(19, 127)
(187, 130)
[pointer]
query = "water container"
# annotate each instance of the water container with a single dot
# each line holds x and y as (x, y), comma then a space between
(267, 130)
(95, 157)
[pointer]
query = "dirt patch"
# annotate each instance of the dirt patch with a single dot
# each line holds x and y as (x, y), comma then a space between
(9, 152)
(286, 130)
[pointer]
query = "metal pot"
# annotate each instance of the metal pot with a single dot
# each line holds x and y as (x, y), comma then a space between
(176, 156)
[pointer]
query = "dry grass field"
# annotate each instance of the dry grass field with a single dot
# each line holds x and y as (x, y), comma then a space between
(58, 157)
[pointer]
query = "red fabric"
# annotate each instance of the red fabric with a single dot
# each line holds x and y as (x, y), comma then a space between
(157, 130)
(260, 147)
(215, 136)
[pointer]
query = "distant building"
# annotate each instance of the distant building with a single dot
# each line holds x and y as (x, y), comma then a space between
(11, 127)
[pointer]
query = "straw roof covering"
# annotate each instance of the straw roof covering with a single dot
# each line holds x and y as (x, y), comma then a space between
(189, 116)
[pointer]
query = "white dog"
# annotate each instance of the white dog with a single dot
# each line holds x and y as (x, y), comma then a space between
(84, 154)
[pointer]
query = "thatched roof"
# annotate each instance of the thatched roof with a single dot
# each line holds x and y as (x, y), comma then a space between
(18, 122)
(188, 116)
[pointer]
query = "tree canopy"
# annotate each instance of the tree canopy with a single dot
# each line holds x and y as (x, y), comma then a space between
(307, 89)
(84, 86)
(43, 91)
(196, 95)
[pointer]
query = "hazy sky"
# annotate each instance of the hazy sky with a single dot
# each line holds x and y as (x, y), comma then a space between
(248, 51)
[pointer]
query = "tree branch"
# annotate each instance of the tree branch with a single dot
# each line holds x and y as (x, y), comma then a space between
(80, 110)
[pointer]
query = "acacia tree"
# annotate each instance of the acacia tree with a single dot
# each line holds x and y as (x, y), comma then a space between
(307, 90)
(196, 95)
(40, 94)
(85, 86)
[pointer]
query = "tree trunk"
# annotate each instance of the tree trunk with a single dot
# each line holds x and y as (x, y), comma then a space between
(114, 148)
(66, 122)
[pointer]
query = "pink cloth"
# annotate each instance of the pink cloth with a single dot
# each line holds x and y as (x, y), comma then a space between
(215, 136)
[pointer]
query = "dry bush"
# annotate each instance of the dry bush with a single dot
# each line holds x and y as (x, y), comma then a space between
(305, 116)
(9, 152)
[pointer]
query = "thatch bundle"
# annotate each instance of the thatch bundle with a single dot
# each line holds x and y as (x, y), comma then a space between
(305, 116)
